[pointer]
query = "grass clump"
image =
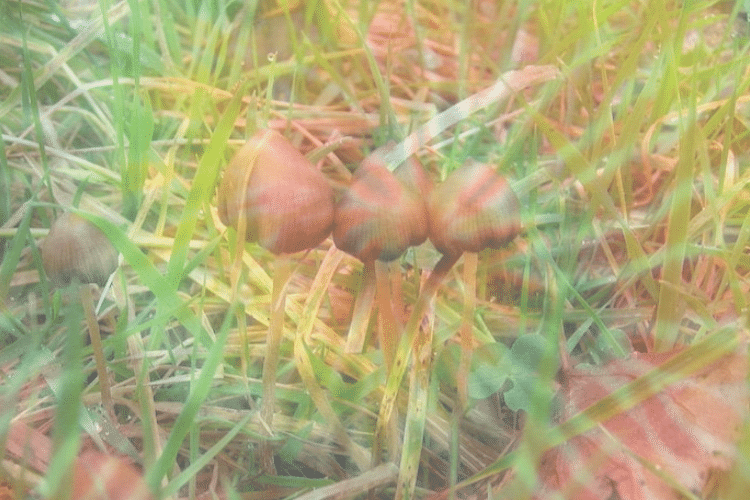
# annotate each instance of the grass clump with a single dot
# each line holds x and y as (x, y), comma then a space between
(622, 128)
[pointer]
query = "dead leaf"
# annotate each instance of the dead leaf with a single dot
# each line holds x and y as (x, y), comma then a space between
(104, 477)
(28, 446)
(671, 442)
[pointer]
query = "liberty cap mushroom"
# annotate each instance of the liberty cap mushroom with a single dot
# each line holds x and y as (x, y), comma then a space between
(272, 194)
(379, 216)
(382, 213)
(287, 203)
(473, 209)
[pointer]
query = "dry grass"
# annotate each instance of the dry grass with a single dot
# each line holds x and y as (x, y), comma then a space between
(629, 154)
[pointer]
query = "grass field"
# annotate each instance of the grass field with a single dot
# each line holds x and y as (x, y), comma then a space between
(622, 127)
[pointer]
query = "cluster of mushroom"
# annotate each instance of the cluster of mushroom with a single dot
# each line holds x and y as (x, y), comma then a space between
(277, 197)
(289, 206)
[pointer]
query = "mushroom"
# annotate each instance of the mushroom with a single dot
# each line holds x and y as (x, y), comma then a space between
(382, 213)
(271, 194)
(287, 204)
(379, 216)
(473, 209)
(77, 252)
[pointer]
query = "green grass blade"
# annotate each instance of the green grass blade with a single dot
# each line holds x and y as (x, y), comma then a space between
(163, 290)
(669, 308)
(12, 254)
(5, 187)
(69, 388)
(202, 187)
(190, 472)
(304, 364)
(198, 393)
(416, 414)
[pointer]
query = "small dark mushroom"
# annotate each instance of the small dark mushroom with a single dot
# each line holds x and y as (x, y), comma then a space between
(77, 252)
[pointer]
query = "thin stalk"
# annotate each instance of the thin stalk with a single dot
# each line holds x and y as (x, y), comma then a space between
(87, 300)
(404, 351)
(416, 414)
(471, 260)
(467, 342)
(282, 272)
(670, 307)
(235, 278)
(244, 347)
(419, 387)
(152, 440)
(397, 289)
(389, 327)
(455, 446)
(362, 310)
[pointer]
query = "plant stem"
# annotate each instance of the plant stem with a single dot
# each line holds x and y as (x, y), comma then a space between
(404, 351)
(471, 260)
(389, 327)
(363, 302)
(87, 300)
(282, 272)
(465, 332)
(419, 383)
(669, 310)
(397, 291)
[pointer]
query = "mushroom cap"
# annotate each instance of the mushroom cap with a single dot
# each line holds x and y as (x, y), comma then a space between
(77, 250)
(287, 202)
(473, 209)
(382, 213)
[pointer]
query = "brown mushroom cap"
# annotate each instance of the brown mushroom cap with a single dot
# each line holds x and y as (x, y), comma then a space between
(287, 202)
(77, 250)
(382, 213)
(473, 209)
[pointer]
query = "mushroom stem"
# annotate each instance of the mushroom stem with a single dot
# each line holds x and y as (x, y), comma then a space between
(466, 334)
(410, 339)
(397, 289)
(281, 275)
(363, 302)
(87, 301)
(389, 326)
(466, 339)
